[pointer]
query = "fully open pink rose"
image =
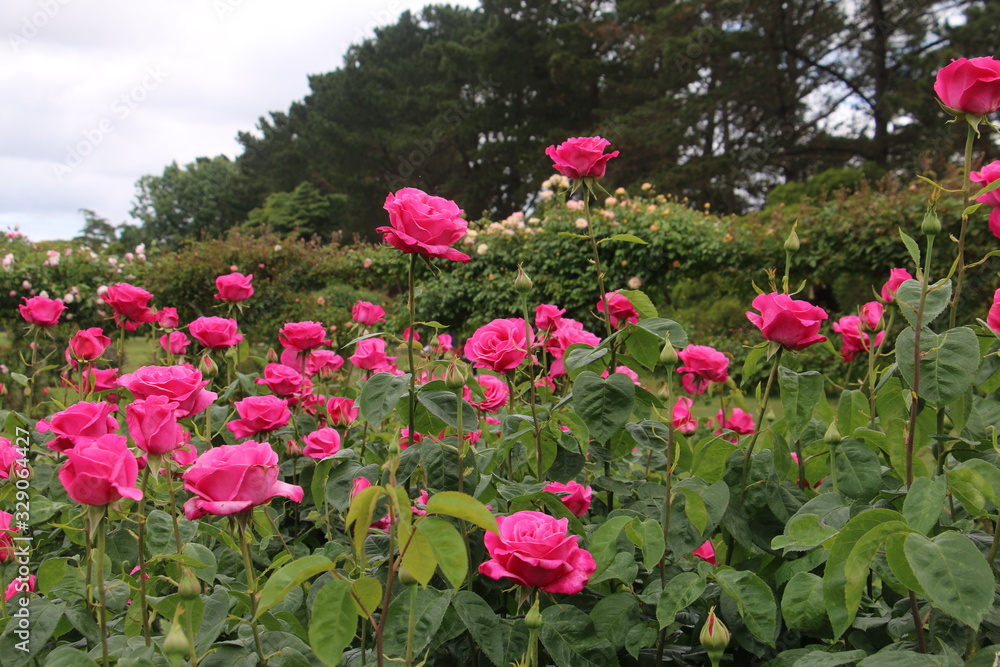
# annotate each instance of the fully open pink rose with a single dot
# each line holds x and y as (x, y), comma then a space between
(581, 157)
(217, 333)
(89, 344)
(235, 478)
(704, 362)
(575, 496)
(795, 324)
(152, 423)
(896, 278)
(175, 342)
(367, 313)
(100, 471)
(282, 380)
(620, 307)
(168, 318)
(993, 318)
(495, 393)
(303, 336)
(423, 224)
(854, 340)
(342, 411)
(79, 423)
(548, 317)
(971, 86)
(234, 287)
(499, 346)
(369, 354)
(41, 311)
(321, 443)
(706, 552)
(740, 421)
(131, 305)
(683, 420)
(181, 384)
(259, 414)
(535, 549)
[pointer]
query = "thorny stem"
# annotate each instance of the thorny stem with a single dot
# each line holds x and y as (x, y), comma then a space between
(600, 274)
(966, 196)
(760, 418)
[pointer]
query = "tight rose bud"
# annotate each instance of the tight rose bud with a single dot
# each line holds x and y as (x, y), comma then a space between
(832, 435)
(668, 355)
(189, 586)
(456, 375)
(522, 284)
(714, 637)
(931, 225)
(792, 243)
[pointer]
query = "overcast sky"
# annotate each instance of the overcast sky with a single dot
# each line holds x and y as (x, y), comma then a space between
(97, 93)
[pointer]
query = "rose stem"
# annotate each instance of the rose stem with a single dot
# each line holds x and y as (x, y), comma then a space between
(241, 522)
(141, 540)
(966, 196)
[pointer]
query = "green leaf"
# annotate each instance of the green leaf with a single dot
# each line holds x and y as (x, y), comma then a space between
(970, 488)
(614, 616)
(431, 609)
(367, 592)
(802, 602)
(800, 394)
(484, 625)
(911, 247)
(333, 621)
(66, 656)
(681, 591)
(44, 616)
(861, 556)
(802, 533)
(857, 469)
(754, 600)
(640, 301)
(579, 357)
(604, 405)
(571, 639)
(448, 546)
(379, 396)
(418, 556)
(662, 326)
(952, 572)
(444, 404)
(694, 508)
(891, 656)
(908, 299)
(288, 577)
(462, 506)
(852, 412)
(948, 362)
(604, 540)
(830, 658)
(631, 238)
(644, 346)
(924, 503)
(753, 360)
(895, 557)
(360, 514)
(651, 535)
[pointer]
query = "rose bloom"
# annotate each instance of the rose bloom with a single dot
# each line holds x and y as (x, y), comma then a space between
(181, 384)
(168, 318)
(323, 362)
(216, 333)
(230, 479)
(260, 414)
(535, 549)
(581, 157)
(706, 552)
(175, 342)
(99, 379)
(369, 354)
(100, 471)
(740, 421)
(424, 225)
(896, 278)
(282, 380)
(970, 86)
(500, 345)
(152, 423)
(130, 304)
(705, 362)
(89, 344)
(626, 371)
(367, 313)
(987, 175)
(77, 424)
(19, 585)
(234, 287)
(7, 530)
(342, 411)
(576, 498)
(10, 459)
(621, 309)
(854, 340)
(442, 344)
(683, 420)
(993, 318)
(303, 336)
(495, 393)
(795, 324)
(569, 332)
(41, 311)
(548, 317)
(871, 314)
(322, 443)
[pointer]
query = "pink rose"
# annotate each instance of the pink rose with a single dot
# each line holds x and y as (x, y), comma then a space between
(993, 318)
(216, 333)
(342, 411)
(620, 307)
(322, 443)
(424, 225)
(970, 86)
(581, 157)
(234, 287)
(130, 304)
(442, 344)
(301, 336)
(181, 384)
(19, 585)
(175, 342)
(259, 414)
(230, 479)
(495, 393)
(548, 317)
(100, 471)
(409, 334)
(871, 314)
(184, 455)
(367, 313)
(7, 530)
(535, 549)
(795, 324)
(369, 354)
(10, 459)
(499, 346)
(624, 370)
(706, 552)
(152, 423)
(323, 362)
(99, 379)
(896, 278)
(739, 421)
(419, 507)
(569, 332)
(577, 496)
(40, 311)
(89, 344)
(358, 485)
(705, 362)
(683, 420)
(854, 340)
(77, 424)
(168, 318)
(985, 176)
(693, 385)
(282, 380)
